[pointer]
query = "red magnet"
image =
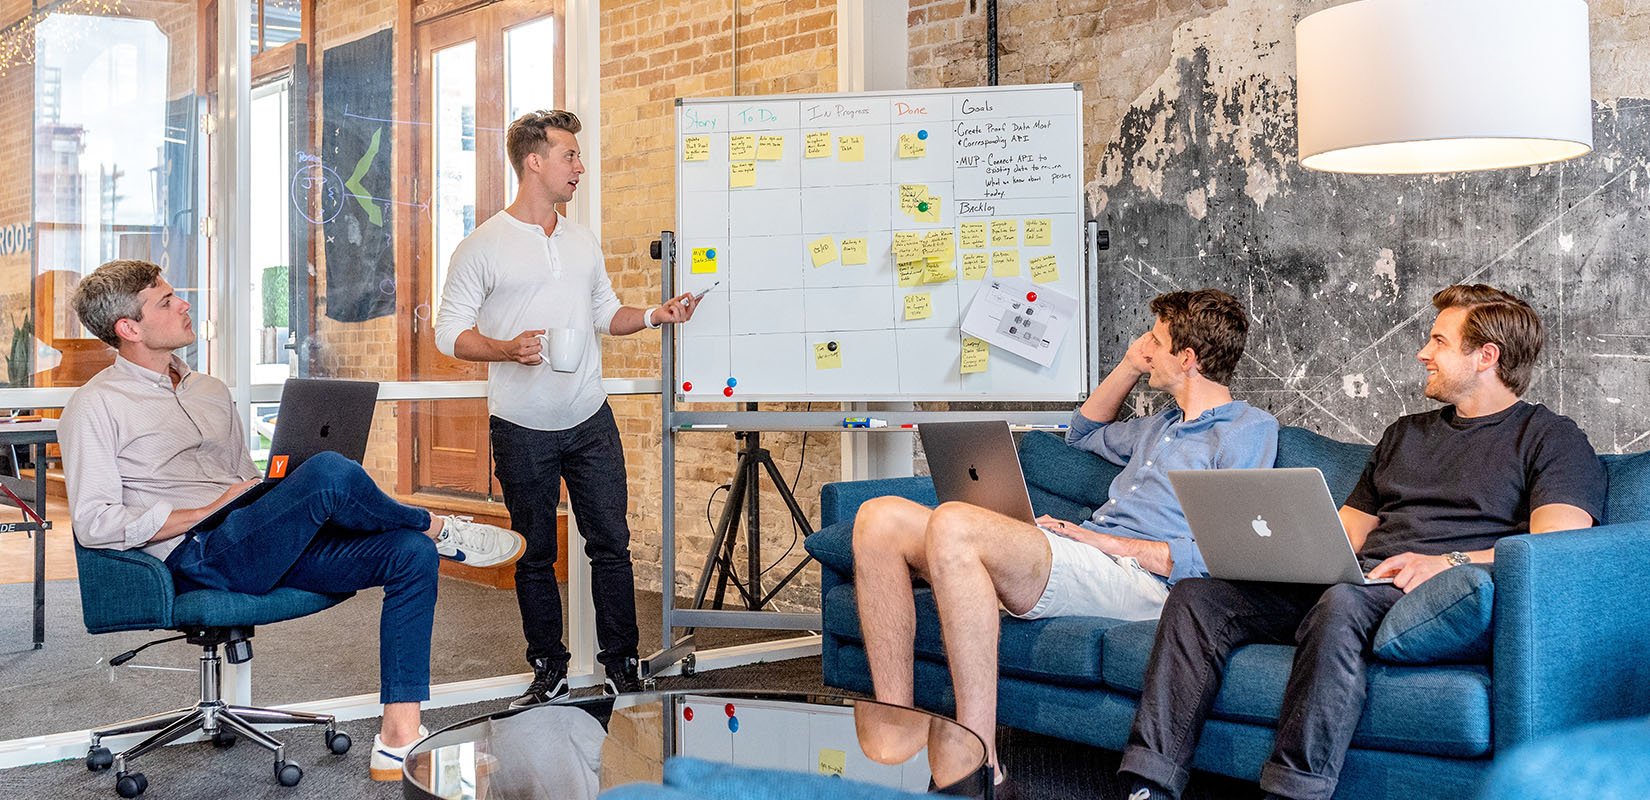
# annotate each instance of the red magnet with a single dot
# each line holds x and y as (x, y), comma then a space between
(1031, 297)
(729, 709)
(687, 713)
(687, 386)
(727, 392)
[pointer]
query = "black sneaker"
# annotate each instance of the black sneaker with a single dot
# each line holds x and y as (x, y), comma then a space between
(624, 680)
(548, 685)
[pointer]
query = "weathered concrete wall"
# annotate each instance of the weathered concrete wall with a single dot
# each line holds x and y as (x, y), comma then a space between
(1196, 177)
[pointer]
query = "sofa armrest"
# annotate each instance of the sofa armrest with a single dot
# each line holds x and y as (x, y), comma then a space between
(123, 590)
(1572, 625)
(838, 502)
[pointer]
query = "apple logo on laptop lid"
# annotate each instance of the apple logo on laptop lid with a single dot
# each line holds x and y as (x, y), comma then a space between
(1262, 528)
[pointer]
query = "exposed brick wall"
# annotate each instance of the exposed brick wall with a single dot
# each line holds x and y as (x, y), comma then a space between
(652, 53)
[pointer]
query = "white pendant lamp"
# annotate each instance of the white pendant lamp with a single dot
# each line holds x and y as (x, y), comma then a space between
(1415, 86)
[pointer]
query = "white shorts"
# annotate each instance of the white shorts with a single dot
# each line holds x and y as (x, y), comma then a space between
(1083, 581)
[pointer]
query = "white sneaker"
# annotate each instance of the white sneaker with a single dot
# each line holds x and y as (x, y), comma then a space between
(386, 761)
(477, 544)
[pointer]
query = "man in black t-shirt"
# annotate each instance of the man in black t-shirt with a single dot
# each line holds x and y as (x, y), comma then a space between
(1439, 490)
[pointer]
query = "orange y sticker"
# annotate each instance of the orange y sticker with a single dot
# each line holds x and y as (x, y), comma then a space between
(277, 466)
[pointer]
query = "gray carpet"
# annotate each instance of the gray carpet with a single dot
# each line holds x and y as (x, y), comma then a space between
(66, 686)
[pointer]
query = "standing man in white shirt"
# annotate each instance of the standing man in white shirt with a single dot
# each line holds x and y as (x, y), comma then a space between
(526, 272)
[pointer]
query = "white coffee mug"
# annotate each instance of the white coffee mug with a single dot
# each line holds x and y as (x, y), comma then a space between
(563, 348)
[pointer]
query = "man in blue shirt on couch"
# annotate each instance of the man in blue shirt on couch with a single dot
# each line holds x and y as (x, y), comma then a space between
(1120, 563)
(1439, 490)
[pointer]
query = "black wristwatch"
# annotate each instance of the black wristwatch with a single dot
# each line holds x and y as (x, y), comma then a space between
(1457, 558)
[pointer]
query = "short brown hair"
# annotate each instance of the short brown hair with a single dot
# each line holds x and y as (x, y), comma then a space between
(1210, 322)
(526, 136)
(110, 294)
(1494, 316)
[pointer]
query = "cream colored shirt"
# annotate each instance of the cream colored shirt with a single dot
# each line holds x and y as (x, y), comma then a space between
(135, 448)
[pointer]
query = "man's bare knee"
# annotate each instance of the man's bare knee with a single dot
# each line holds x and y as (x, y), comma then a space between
(881, 528)
(951, 538)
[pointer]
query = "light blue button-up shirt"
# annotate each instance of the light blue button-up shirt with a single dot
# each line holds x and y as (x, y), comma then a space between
(1143, 504)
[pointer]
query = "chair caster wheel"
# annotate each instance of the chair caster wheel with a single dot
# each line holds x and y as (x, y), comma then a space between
(223, 740)
(338, 742)
(99, 759)
(288, 773)
(131, 784)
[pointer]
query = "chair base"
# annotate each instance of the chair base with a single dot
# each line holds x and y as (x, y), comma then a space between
(211, 716)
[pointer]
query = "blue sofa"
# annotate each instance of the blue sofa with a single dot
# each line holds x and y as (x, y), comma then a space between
(1571, 632)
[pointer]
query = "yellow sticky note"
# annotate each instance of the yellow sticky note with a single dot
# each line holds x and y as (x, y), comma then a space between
(937, 270)
(704, 260)
(912, 147)
(827, 355)
(832, 762)
(1005, 263)
(850, 148)
(1039, 232)
(939, 244)
(770, 147)
(1004, 232)
(976, 355)
(817, 144)
(911, 272)
(974, 265)
(823, 250)
(741, 174)
(1044, 269)
(696, 148)
(907, 247)
(918, 306)
(742, 147)
(910, 196)
(853, 251)
(929, 209)
(973, 235)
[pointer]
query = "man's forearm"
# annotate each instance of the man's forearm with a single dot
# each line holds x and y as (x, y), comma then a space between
(1108, 397)
(472, 346)
(627, 320)
(1153, 556)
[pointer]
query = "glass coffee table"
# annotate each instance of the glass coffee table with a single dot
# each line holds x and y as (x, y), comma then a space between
(575, 749)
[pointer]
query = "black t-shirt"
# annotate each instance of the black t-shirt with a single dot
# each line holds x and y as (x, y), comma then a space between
(1439, 482)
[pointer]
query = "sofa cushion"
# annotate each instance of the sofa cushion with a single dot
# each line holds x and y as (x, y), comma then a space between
(1063, 481)
(833, 547)
(1340, 462)
(1440, 710)
(716, 781)
(1446, 619)
(1629, 482)
(1064, 650)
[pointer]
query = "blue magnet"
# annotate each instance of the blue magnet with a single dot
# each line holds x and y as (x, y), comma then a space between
(733, 724)
(710, 252)
(732, 382)
(922, 134)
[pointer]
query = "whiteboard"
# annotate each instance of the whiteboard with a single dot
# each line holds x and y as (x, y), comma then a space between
(802, 211)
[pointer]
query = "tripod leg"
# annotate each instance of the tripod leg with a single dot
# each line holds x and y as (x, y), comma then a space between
(797, 515)
(726, 527)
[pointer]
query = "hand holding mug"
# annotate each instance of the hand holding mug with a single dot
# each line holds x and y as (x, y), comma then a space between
(525, 348)
(563, 348)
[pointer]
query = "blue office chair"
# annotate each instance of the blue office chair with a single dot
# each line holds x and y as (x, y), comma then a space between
(129, 590)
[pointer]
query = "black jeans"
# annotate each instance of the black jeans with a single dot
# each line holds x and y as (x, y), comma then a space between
(1203, 621)
(530, 465)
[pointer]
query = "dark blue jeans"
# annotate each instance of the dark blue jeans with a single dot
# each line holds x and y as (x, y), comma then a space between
(1203, 621)
(530, 465)
(328, 528)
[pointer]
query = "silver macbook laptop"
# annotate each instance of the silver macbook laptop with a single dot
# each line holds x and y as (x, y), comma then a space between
(1267, 525)
(976, 463)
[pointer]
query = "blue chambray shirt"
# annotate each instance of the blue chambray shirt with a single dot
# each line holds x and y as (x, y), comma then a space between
(1143, 504)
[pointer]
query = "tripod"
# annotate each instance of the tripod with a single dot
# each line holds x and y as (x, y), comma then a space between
(745, 490)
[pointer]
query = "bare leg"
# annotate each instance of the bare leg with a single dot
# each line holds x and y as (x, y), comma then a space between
(978, 559)
(400, 726)
(888, 549)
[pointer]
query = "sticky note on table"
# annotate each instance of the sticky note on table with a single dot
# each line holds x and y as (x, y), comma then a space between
(1039, 232)
(827, 355)
(823, 250)
(696, 148)
(817, 144)
(1005, 263)
(770, 147)
(850, 148)
(832, 762)
(1004, 232)
(973, 235)
(912, 147)
(907, 247)
(742, 147)
(976, 355)
(918, 306)
(741, 174)
(1044, 269)
(929, 209)
(853, 251)
(974, 265)
(939, 244)
(911, 272)
(704, 260)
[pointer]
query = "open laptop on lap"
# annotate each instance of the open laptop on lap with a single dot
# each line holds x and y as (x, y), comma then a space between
(976, 463)
(316, 415)
(1276, 525)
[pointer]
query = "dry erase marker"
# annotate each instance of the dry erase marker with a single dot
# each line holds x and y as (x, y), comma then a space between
(704, 427)
(701, 295)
